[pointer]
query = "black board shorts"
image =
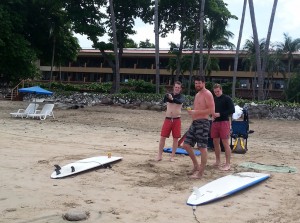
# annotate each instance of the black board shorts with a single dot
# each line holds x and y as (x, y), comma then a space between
(198, 133)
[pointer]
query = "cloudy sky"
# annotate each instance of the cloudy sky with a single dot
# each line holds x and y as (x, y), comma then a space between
(286, 21)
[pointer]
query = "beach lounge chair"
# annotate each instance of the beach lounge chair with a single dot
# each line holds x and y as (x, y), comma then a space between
(46, 111)
(31, 108)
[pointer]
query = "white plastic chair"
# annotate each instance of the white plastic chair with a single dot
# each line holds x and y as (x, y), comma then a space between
(46, 111)
(31, 108)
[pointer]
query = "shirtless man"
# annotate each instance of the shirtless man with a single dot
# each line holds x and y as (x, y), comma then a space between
(199, 130)
(172, 122)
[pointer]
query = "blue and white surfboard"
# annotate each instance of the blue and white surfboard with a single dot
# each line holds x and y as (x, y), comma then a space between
(225, 186)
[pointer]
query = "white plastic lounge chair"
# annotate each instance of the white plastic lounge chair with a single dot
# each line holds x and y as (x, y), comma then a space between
(31, 108)
(44, 113)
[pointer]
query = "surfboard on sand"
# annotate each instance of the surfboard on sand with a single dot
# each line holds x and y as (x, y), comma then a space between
(181, 151)
(82, 165)
(225, 186)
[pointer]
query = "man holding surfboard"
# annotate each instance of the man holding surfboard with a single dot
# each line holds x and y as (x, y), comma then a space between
(199, 130)
(172, 122)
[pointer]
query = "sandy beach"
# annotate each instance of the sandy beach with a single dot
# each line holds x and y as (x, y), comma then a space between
(136, 189)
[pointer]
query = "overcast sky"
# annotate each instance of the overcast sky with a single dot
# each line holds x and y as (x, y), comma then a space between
(286, 21)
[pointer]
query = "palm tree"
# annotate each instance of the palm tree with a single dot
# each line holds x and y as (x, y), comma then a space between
(236, 58)
(257, 52)
(201, 21)
(216, 35)
(116, 82)
(250, 62)
(266, 51)
(192, 63)
(53, 52)
(274, 66)
(289, 46)
(156, 46)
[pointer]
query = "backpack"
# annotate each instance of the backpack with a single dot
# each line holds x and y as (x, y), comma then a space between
(239, 146)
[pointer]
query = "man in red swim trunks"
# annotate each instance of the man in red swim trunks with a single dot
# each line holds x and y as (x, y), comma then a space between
(172, 122)
(220, 129)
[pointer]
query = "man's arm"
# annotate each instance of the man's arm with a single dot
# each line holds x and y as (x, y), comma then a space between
(166, 99)
(177, 99)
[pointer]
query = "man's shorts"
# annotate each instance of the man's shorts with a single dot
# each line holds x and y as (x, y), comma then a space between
(198, 133)
(171, 124)
(220, 130)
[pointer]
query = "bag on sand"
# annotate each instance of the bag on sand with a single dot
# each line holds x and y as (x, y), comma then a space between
(239, 146)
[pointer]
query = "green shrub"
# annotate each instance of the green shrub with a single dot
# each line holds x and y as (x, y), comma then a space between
(140, 86)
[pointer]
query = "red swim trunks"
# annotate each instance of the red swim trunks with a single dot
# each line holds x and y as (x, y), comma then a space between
(220, 130)
(173, 125)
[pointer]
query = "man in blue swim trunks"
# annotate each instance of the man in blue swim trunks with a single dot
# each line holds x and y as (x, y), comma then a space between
(198, 132)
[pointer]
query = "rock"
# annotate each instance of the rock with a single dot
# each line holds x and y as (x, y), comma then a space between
(156, 108)
(145, 105)
(107, 101)
(10, 209)
(76, 215)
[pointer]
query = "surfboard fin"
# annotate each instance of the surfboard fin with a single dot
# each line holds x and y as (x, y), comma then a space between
(72, 169)
(196, 191)
(57, 169)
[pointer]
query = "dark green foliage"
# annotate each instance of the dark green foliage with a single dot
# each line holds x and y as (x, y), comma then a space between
(293, 92)
(146, 44)
(16, 55)
(32, 30)
(139, 86)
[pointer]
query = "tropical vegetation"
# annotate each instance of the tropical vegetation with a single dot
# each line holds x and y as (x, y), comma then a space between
(44, 30)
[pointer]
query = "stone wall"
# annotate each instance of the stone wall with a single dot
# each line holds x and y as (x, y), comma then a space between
(80, 100)
(278, 112)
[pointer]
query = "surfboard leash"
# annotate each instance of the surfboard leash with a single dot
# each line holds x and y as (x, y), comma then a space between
(194, 210)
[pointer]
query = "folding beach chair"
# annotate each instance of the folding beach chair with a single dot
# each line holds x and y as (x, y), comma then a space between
(239, 134)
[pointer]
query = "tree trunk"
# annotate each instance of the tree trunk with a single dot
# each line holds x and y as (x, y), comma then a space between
(116, 81)
(236, 58)
(201, 21)
(60, 73)
(157, 81)
(208, 60)
(179, 54)
(266, 51)
(289, 72)
(52, 61)
(257, 52)
(192, 64)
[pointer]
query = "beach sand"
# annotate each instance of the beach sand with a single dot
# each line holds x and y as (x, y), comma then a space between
(136, 189)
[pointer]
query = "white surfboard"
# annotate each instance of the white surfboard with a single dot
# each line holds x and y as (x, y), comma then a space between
(225, 186)
(82, 165)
